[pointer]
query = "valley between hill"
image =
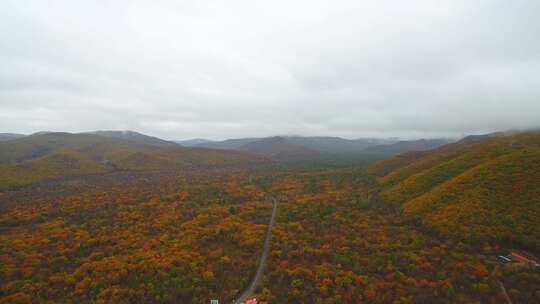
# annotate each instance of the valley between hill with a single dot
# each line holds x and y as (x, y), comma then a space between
(167, 224)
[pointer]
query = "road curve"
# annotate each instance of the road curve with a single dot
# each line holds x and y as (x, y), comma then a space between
(262, 262)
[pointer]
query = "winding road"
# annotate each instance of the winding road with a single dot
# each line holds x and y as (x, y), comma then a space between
(246, 294)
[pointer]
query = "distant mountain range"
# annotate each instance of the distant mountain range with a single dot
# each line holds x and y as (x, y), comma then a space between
(192, 142)
(318, 143)
(229, 144)
(277, 147)
(10, 136)
(29, 158)
(296, 147)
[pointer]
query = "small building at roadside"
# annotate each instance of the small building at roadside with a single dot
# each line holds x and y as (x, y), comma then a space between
(523, 257)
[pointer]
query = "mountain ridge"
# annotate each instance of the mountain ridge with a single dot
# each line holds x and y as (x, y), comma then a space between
(409, 145)
(335, 145)
(132, 136)
(487, 188)
(278, 148)
(59, 154)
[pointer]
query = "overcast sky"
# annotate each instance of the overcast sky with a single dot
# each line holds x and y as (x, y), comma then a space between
(224, 69)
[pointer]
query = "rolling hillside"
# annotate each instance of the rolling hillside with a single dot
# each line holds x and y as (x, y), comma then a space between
(408, 145)
(488, 188)
(52, 155)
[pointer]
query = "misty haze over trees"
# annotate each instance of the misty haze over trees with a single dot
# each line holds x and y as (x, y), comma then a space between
(270, 152)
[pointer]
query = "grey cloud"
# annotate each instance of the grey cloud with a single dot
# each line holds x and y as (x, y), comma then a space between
(217, 69)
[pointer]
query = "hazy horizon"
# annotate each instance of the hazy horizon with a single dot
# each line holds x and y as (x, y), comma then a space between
(281, 135)
(217, 70)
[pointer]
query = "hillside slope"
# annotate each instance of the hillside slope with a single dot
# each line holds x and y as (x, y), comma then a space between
(487, 189)
(408, 145)
(52, 155)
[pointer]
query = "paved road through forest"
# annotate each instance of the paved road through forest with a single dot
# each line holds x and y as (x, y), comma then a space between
(262, 262)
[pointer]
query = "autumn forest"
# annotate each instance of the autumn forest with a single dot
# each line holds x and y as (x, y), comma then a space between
(90, 219)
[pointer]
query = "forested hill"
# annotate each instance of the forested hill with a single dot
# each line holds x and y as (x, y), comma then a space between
(487, 189)
(135, 137)
(54, 155)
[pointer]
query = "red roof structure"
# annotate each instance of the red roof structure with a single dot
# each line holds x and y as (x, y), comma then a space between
(523, 257)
